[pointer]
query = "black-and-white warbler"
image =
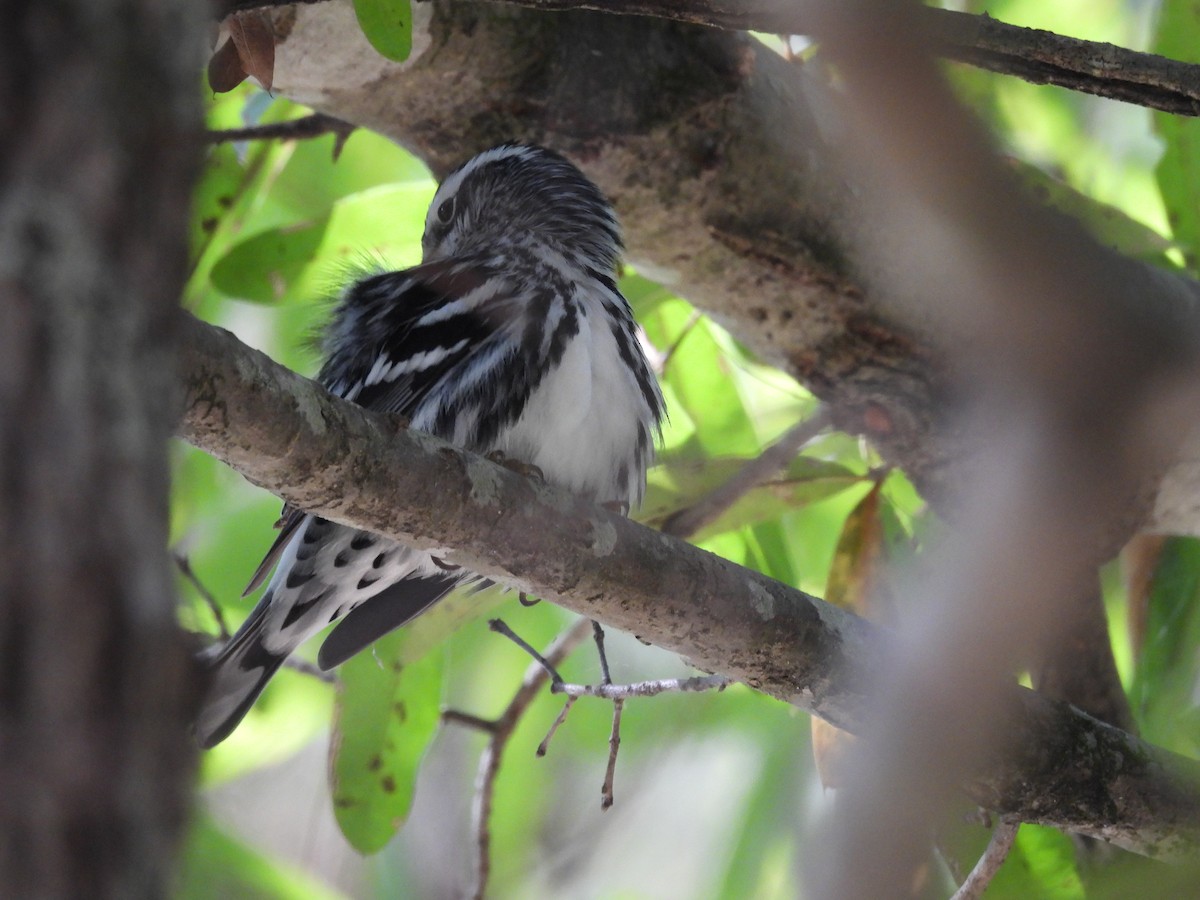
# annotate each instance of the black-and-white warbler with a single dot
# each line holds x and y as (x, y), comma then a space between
(510, 337)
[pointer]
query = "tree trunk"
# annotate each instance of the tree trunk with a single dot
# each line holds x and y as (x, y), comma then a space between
(99, 111)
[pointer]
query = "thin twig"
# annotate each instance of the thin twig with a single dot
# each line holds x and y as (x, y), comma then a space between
(454, 716)
(300, 665)
(985, 870)
(614, 744)
(712, 506)
(692, 322)
(621, 692)
(185, 569)
(498, 626)
(562, 717)
(310, 126)
(598, 636)
(501, 730)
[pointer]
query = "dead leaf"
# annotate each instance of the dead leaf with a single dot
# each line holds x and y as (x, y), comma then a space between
(225, 70)
(254, 37)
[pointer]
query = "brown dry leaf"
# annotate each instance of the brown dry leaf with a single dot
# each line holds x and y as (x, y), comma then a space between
(857, 561)
(225, 70)
(254, 37)
(829, 746)
(859, 556)
(1139, 562)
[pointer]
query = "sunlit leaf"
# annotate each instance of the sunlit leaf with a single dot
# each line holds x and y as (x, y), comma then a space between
(1178, 37)
(677, 483)
(265, 267)
(1041, 864)
(699, 373)
(387, 712)
(1167, 669)
(261, 268)
(387, 25)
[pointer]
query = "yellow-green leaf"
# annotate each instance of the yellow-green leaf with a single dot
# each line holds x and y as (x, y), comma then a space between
(676, 483)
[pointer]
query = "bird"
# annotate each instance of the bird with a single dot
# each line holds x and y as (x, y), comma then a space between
(510, 338)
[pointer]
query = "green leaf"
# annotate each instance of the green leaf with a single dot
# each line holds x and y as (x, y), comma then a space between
(387, 712)
(1041, 864)
(387, 25)
(699, 373)
(1167, 667)
(1178, 172)
(307, 258)
(261, 268)
(678, 482)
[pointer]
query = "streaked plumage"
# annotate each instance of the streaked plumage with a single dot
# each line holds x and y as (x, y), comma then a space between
(511, 336)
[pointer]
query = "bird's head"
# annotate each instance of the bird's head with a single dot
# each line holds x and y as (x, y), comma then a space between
(519, 193)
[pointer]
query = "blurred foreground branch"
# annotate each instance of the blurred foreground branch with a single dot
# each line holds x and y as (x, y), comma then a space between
(1077, 396)
(322, 454)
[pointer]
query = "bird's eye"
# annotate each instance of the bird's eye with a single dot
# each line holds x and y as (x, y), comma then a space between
(445, 212)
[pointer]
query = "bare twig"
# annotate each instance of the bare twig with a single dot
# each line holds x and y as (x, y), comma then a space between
(614, 744)
(989, 864)
(598, 636)
(185, 569)
(615, 692)
(562, 717)
(709, 508)
(498, 626)
(300, 665)
(501, 730)
(467, 720)
(311, 126)
(691, 323)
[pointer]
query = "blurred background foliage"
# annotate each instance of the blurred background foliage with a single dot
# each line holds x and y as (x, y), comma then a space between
(717, 795)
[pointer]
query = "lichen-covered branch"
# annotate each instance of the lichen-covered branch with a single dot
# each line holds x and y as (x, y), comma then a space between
(319, 453)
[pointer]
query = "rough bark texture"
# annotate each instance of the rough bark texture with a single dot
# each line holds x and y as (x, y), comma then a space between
(98, 120)
(1060, 767)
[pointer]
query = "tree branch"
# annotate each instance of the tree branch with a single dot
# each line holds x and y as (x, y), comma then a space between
(727, 174)
(322, 454)
(315, 125)
(1032, 54)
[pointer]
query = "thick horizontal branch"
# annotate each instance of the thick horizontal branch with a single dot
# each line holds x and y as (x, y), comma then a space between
(1042, 57)
(287, 434)
(1032, 54)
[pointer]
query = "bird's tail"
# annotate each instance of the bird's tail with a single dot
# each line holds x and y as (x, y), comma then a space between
(239, 672)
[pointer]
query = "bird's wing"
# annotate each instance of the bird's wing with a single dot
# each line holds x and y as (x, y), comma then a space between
(392, 339)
